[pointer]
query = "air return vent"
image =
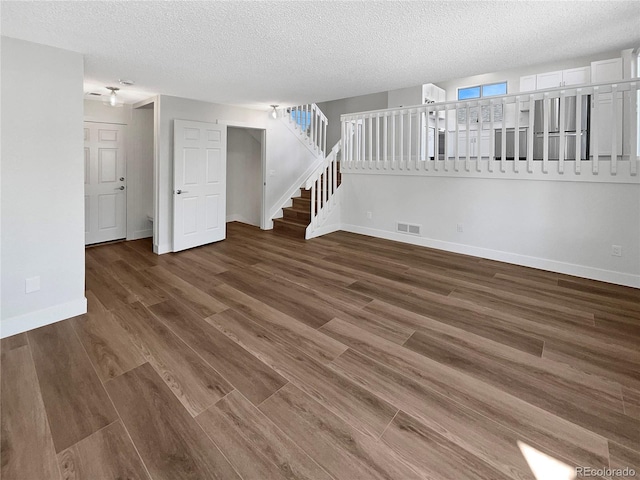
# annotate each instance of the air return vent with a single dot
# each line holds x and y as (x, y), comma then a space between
(94, 94)
(408, 228)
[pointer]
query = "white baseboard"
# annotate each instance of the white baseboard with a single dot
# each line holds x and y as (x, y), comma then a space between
(160, 249)
(40, 318)
(240, 218)
(138, 234)
(326, 229)
(610, 276)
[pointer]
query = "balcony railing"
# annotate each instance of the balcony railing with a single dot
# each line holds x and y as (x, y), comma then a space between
(584, 132)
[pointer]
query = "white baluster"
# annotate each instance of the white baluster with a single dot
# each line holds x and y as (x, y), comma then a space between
(370, 142)
(479, 140)
(532, 114)
(456, 162)
(545, 136)
(385, 150)
(633, 121)
(409, 119)
(401, 141)
(436, 142)
(446, 140)
(313, 205)
(378, 142)
(595, 125)
(468, 159)
(393, 141)
(492, 135)
(427, 158)
(503, 139)
(614, 129)
(562, 139)
(578, 164)
(516, 140)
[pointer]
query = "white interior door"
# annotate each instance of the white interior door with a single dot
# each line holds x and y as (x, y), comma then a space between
(199, 183)
(104, 183)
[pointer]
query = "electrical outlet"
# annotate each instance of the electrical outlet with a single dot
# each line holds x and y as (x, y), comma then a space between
(369, 215)
(616, 250)
(460, 228)
(31, 284)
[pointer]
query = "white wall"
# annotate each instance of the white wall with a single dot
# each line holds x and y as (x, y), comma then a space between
(96, 111)
(244, 175)
(562, 226)
(405, 97)
(335, 108)
(42, 185)
(287, 158)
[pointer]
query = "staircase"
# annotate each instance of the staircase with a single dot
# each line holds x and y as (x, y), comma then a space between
(323, 184)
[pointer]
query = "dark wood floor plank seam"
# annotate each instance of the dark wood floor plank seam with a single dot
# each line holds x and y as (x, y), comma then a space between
(494, 394)
(276, 379)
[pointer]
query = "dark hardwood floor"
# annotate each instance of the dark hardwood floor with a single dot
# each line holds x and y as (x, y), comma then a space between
(345, 357)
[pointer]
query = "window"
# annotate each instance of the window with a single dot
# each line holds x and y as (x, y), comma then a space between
(479, 91)
(494, 89)
(487, 90)
(468, 92)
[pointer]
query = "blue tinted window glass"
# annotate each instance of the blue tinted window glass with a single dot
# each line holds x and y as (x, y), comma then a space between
(469, 92)
(301, 118)
(494, 89)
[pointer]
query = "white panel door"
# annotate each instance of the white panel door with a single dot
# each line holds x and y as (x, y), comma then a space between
(104, 183)
(199, 183)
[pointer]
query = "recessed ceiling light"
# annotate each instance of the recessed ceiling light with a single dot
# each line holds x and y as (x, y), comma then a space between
(126, 82)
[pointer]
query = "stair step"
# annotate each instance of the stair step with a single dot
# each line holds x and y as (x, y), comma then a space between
(289, 228)
(300, 214)
(300, 203)
(305, 193)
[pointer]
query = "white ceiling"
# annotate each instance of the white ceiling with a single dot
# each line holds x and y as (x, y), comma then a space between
(258, 53)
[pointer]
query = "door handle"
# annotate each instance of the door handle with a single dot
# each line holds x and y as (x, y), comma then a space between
(121, 187)
(178, 192)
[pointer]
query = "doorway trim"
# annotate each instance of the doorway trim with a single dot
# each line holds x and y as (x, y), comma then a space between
(155, 101)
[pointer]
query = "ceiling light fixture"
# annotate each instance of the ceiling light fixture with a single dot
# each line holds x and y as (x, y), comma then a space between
(274, 112)
(113, 101)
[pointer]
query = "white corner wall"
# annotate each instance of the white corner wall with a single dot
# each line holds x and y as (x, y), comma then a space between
(286, 157)
(42, 185)
(567, 227)
(140, 150)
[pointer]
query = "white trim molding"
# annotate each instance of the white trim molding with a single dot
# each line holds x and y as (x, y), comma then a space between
(40, 318)
(610, 276)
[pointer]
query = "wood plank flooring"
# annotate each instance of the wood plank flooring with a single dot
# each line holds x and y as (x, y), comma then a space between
(344, 357)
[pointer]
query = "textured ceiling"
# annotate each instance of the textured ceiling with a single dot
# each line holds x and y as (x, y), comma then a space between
(259, 53)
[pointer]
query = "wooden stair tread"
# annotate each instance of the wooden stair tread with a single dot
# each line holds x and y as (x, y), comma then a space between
(297, 210)
(292, 221)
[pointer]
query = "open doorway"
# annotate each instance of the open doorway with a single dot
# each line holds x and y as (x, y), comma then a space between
(245, 175)
(141, 171)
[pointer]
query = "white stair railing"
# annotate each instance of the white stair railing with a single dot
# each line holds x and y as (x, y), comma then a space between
(310, 121)
(478, 137)
(324, 183)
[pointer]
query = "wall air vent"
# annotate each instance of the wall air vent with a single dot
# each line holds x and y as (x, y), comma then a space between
(409, 228)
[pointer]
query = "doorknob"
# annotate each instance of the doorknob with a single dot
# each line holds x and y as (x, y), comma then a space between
(121, 187)
(181, 191)
(122, 179)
